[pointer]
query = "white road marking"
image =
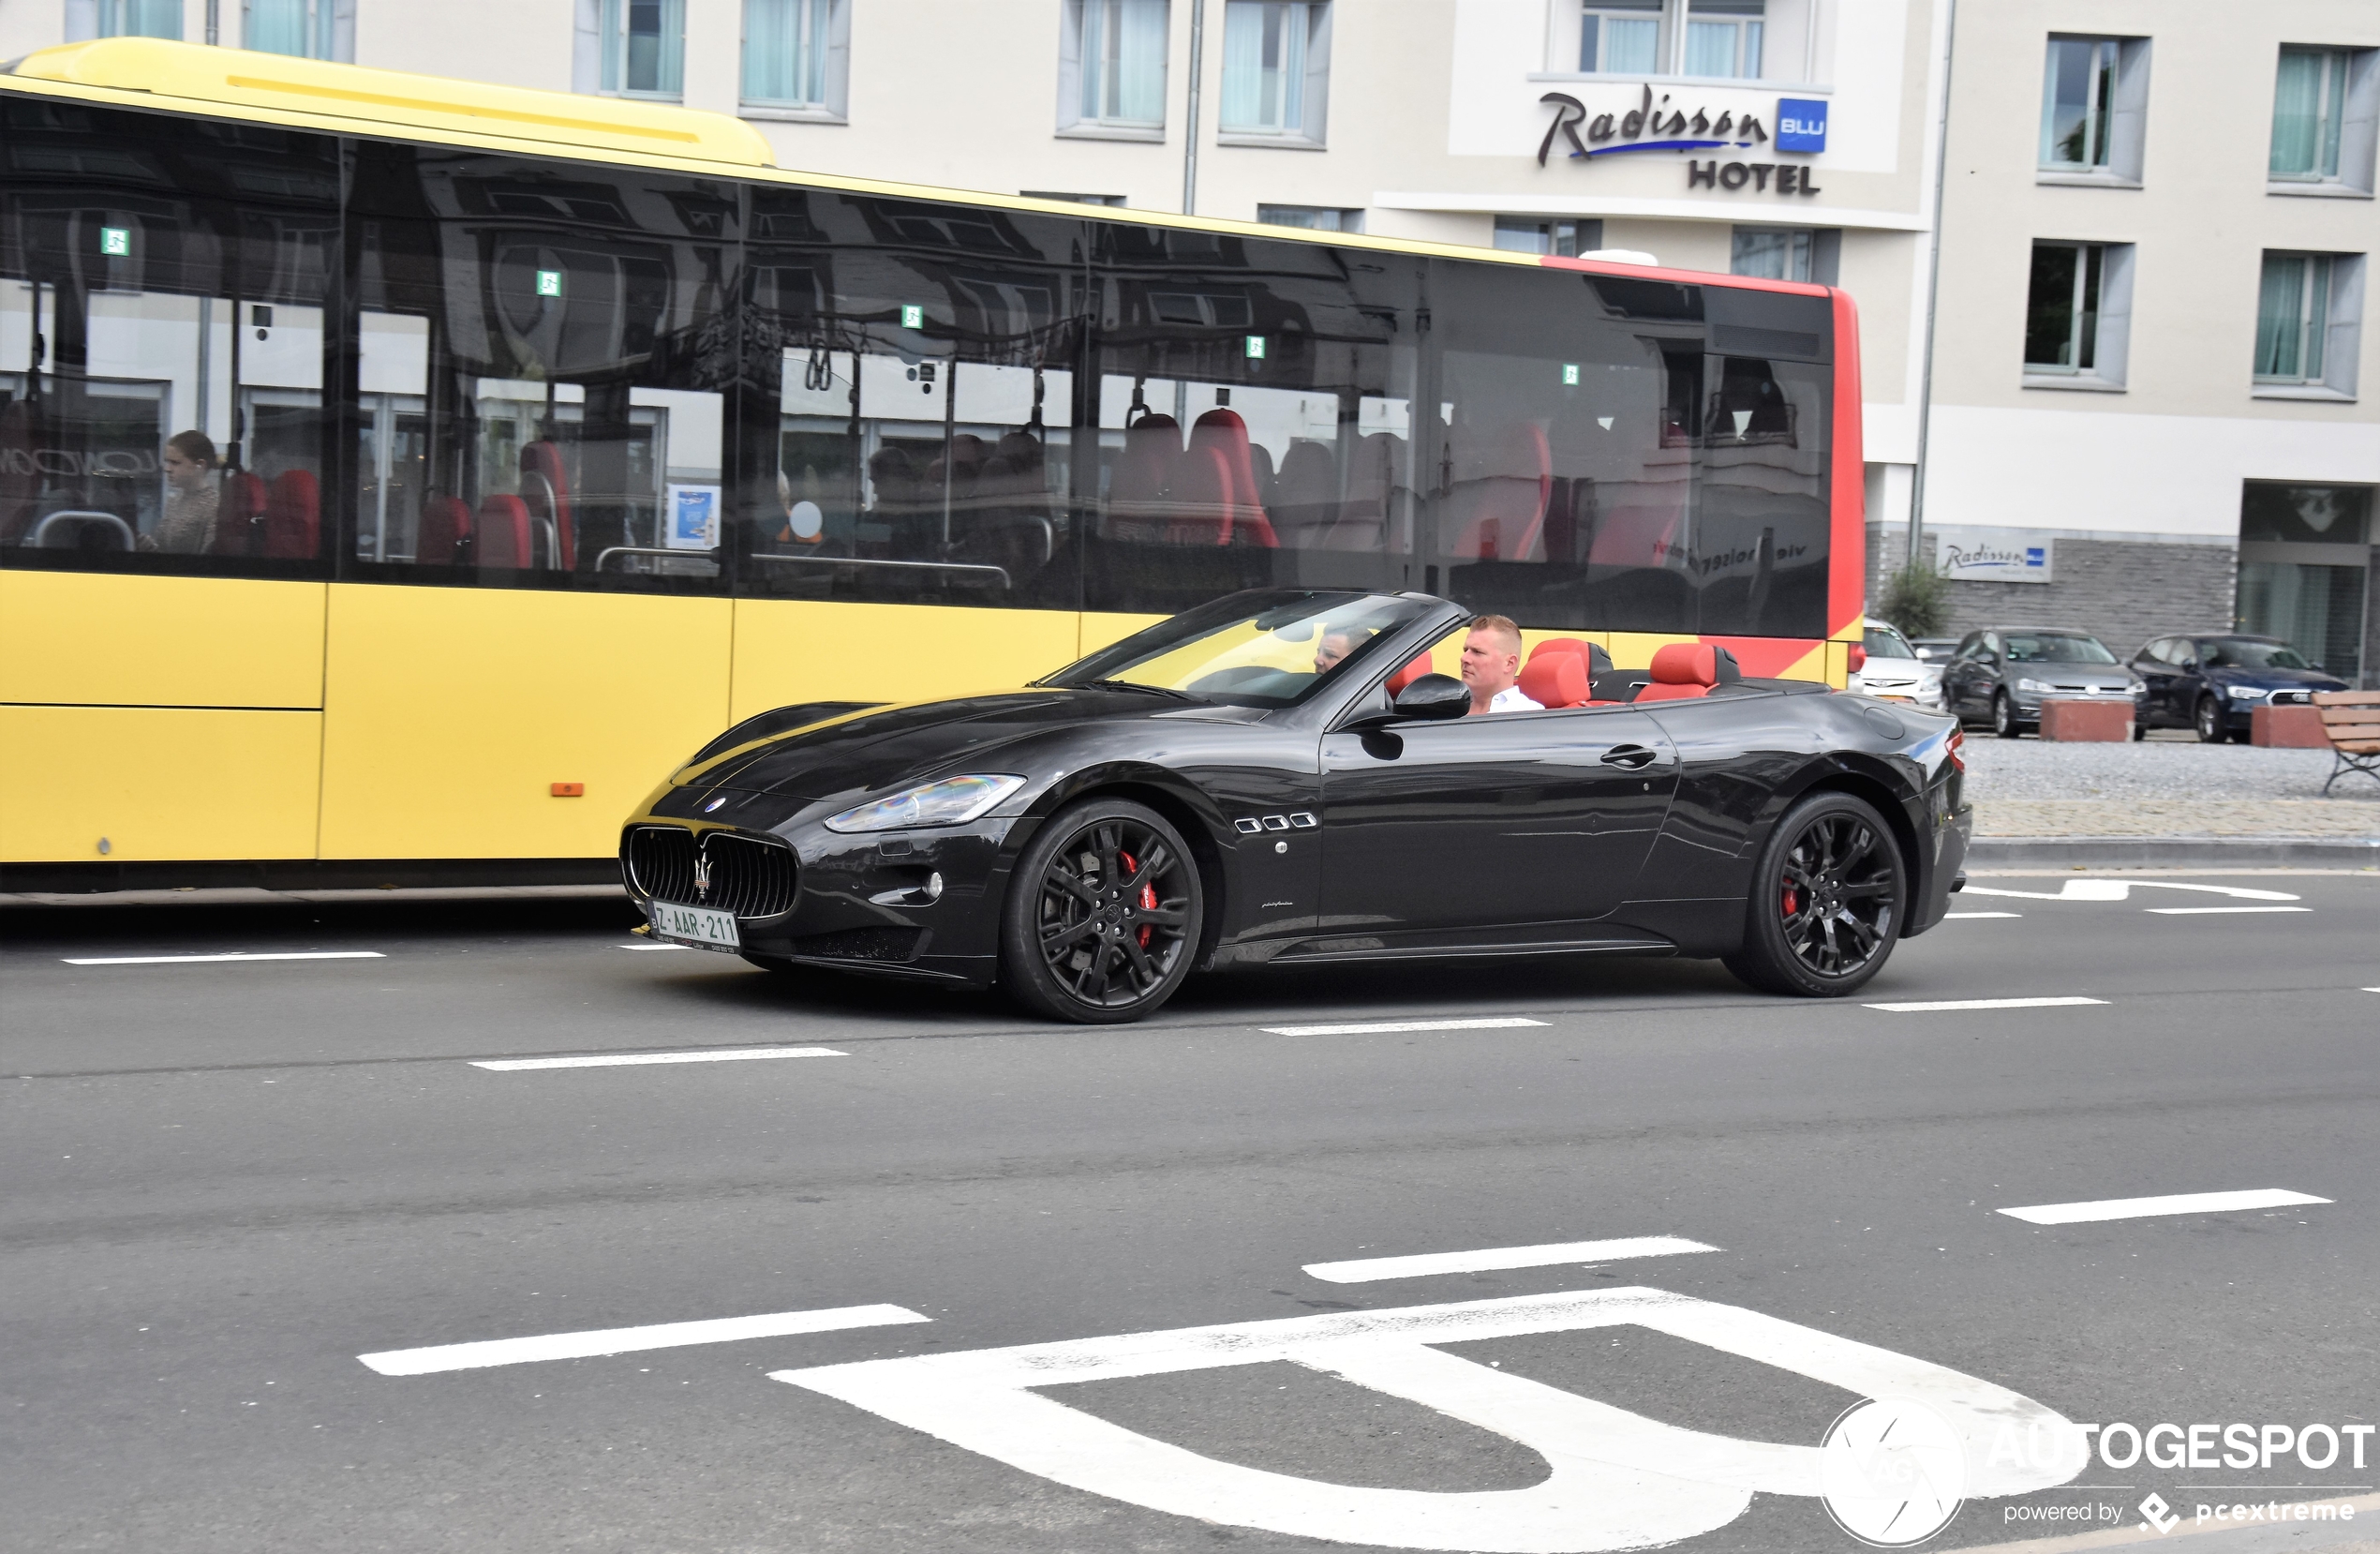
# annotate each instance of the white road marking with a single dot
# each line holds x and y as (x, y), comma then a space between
(1379, 1027)
(2143, 1208)
(193, 959)
(2216, 911)
(1984, 1004)
(2120, 890)
(1618, 1480)
(1365, 1270)
(624, 1341)
(1948, 914)
(621, 1060)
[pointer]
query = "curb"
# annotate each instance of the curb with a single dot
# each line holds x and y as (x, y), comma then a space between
(2165, 852)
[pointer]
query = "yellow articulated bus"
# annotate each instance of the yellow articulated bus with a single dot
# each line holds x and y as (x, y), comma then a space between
(398, 476)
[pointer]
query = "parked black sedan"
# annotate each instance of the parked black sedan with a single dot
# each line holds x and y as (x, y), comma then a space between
(2214, 682)
(2004, 673)
(1276, 779)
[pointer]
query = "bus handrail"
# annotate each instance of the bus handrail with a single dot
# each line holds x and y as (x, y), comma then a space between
(82, 514)
(611, 550)
(998, 572)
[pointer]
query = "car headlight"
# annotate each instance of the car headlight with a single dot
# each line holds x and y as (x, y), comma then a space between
(952, 802)
(2247, 692)
(2030, 684)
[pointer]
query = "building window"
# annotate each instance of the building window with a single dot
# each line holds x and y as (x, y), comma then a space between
(2093, 107)
(1276, 68)
(310, 29)
(796, 55)
(2309, 324)
(90, 19)
(641, 48)
(1559, 236)
(1723, 38)
(2308, 104)
(1323, 218)
(2077, 315)
(1111, 71)
(1072, 198)
(1773, 253)
(1621, 38)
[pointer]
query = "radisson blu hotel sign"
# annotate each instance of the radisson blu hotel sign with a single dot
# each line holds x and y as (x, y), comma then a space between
(1660, 122)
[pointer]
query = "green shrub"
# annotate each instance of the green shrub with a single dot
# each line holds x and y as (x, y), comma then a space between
(1917, 600)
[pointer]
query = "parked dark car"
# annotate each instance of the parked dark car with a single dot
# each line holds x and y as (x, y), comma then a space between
(2214, 682)
(2001, 674)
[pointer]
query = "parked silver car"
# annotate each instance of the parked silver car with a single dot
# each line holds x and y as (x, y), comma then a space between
(1893, 672)
(2005, 673)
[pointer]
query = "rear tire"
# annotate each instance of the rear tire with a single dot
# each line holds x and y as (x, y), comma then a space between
(1829, 894)
(1103, 917)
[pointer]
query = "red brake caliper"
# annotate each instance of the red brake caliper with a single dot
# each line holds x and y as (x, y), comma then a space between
(1792, 899)
(1148, 896)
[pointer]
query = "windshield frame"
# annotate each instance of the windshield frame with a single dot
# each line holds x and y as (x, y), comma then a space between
(2110, 660)
(1365, 661)
(1892, 632)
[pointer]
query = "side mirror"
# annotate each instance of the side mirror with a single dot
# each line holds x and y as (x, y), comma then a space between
(1431, 698)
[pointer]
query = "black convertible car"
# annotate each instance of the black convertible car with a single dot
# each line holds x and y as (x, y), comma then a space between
(1276, 779)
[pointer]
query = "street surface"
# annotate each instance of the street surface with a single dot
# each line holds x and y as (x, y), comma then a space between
(231, 1181)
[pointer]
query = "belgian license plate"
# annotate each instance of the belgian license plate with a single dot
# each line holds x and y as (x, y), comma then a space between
(700, 926)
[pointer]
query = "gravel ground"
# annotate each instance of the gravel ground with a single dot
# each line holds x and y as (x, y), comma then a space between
(2163, 788)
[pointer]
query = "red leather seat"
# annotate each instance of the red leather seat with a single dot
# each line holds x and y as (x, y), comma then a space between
(239, 504)
(443, 532)
(1222, 430)
(547, 491)
(1410, 673)
(1554, 680)
(1200, 505)
(504, 533)
(293, 515)
(1681, 671)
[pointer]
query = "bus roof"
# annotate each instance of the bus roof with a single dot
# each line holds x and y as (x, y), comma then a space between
(198, 77)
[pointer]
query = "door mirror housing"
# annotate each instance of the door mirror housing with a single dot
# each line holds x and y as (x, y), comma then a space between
(1430, 699)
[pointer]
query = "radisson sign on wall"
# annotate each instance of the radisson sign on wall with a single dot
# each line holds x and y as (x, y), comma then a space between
(1656, 124)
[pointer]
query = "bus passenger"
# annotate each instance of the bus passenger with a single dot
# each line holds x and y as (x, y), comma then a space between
(1491, 664)
(190, 496)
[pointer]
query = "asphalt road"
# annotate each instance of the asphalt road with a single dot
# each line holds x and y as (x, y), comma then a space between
(229, 1179)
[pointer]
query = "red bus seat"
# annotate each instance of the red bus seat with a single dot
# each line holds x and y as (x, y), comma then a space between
(1681, 671)
(239, 503)
(504, 538)
(445, 531)
(293, 514)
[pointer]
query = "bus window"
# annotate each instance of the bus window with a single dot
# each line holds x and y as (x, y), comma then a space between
(924, 401)
(1253, 419)
(161, 343)
(542, 372)
(1762, 528)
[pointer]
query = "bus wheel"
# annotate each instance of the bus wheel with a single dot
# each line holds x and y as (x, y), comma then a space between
(1103, 914)
(1828, 895)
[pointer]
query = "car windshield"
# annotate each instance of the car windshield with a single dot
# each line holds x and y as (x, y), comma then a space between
(2233, 652)
(1270, 649)
(2056, 647)
(1884, 642)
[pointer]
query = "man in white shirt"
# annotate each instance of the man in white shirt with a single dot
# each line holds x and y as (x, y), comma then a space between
(1491, 664)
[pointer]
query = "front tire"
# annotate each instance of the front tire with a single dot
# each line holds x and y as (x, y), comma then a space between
(2003, 717)
(1829, 894)
(1103, 917)
(2209, 721)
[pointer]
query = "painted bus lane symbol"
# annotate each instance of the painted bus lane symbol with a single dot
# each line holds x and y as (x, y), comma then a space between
(1619, 1480)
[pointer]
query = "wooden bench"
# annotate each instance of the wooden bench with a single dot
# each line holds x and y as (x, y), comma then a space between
(2352, 719)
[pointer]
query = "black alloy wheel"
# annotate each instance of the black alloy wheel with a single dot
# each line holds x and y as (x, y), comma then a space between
(1829, 894)
(2210, 721)
(1103, 914)
(2003, 716)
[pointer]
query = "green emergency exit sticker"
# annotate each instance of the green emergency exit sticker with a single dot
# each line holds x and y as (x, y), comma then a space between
(116, 242)
(1256, 348)
(549, 283)
(1570, 375)
(913, 318)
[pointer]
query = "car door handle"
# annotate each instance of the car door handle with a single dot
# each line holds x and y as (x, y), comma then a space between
(1636, 758)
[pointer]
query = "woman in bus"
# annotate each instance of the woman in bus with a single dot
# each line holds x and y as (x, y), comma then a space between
(190, 496)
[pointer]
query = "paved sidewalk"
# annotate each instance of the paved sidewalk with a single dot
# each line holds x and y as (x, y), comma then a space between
(2162, 789)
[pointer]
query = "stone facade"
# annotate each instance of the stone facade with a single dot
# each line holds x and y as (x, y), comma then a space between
(2122, 591)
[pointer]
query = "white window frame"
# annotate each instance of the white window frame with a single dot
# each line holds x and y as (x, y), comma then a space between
(330, 26)
(1801, 266)
(2121, 127)
(599, 59)
(829, 22)
(1342, 219)
(1075, 20)
(1583, 234)
(2358, 111)
(88, 19)
(2332, 284)
(1796, 35)
(2111, 328)
(1311, 131)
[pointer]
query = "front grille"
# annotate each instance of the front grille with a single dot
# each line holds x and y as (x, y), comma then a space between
(748, 878)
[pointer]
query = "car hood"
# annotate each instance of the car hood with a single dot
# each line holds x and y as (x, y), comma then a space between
(1899, 668)
(879, 747)
(2275, 680)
